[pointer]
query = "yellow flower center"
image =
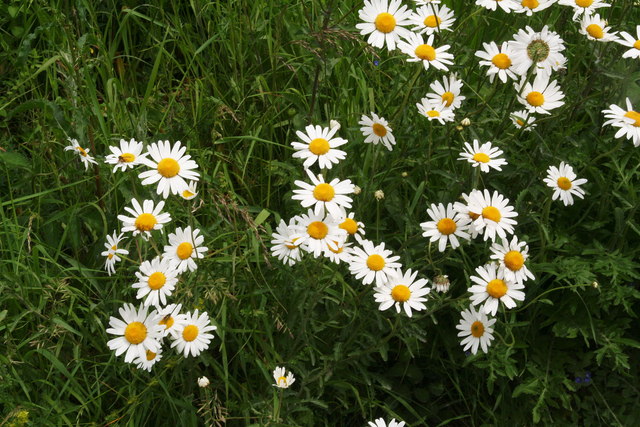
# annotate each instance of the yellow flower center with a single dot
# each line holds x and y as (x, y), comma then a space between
(446, 226)
(425, 52)
(491, 213)
(519, 122)
(150, 355)
(168, 321)
(168, 168)
(126, 158)
(448, 98)
(324, 192)
(635, 116)
(157, 280)
(282, 381)
(184, 250)
(317, 230)
(110, 256)
(497, 288)
(293, 245)
(350, 226)
(146, 222)
(335, 251)
(514, 260)
(375, 262)
(584, 3)
(114, 247)
(385, 22)
(477, 329)
(595, 31)
(531, 4)
(481, 157)
(433, 113)
(135, 332)
(83, 153)
(379, 129)
(564, 183)
(400, 293)
(501, 61)
(432, 21)
(319, 146)
(190, 333)
(637, 44)
(187, 193)
(535, 99)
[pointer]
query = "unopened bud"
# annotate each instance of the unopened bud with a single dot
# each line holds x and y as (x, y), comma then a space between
(379, 194)
(203, 382)
(442, 283)
(465, 122)
(356, 190)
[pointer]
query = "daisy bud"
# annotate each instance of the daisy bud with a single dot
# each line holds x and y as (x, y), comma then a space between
(405, 174)
(356, 190)
(203, 382)
(442, 283)
(379, 194)
(465, 122)
(595, 285)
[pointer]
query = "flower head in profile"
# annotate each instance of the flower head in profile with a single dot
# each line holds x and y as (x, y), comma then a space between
(319, 145)
(83, 153)
(522, 119)
(170, 168)
(112, 251)
(283, 380)
(285, 244)
(403, 291)
(564, 183)
(435, 111)
(596, 28)
(384, 21)
(126, 156)
(190, 192)
(475, 329)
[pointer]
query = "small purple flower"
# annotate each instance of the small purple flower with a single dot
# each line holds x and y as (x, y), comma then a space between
(578, 380)
(376, 62)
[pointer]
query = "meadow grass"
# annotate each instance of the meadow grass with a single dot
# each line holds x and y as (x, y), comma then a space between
(234, 80)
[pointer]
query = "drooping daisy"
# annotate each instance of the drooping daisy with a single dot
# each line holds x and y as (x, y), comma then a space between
(128, 155)
(476, 328)
(384, 21)
(138, 332)
(446, 225)
(499, 60)
(402, 289)
(540, 50)
(85, 158)
(171, 319)
(632, 42)
(431, 19)
(492, 287)
(285, 244)
(433, 111)
(627, 120)
(319, 145)
(190, 192)
(541, 96)
(485, 156)
(512, 256)
(324, 197)
(448, 92)
(376, 130)
(523, 120)
(193, 336)
(586, 7)
(112, 252)
(170, 168)
(156, 281)
(505, 5)
(147, 361)
(145, 218)
(316, 232)
(380, 422)
(184, 247)
(532, 6)
(429, 55)
(595, 28)
(371, 262)
(564, 183)
(496, 216)
(442, 283)
(283, 380)
(348, 223)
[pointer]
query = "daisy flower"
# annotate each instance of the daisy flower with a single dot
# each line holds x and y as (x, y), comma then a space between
(112, 252)
(350, 225)
(426, 2)
(499, 60)
(319, 145)
(128, 155)
(523, 120)
(627, 120)
(324, 197)
(491, 287)
(371, 262)
(402, 289)
(192, 337)
(495, 214)
(170, 167)
(629, 41)
(316, 232)
(512, 256)
(419, 51)
(171, 319)
(505, 5)
(190, 192)
(286, 246)
(145, 218)
(595, 28)
(586, 7)
(446, 225)
(147, 361)
(156, 280)
(341, 252)
(384, 21)
(463, 210)
(538, 49)
(564, 183)
(476, 328)
(541, 96)
(433, 111)
(484, 155)
(532, 6)
(376, 130)
(283, 380)
(138, 332)
(85, 158)
(185, 246)
(431, 19)
(447, 93)
(380, 422)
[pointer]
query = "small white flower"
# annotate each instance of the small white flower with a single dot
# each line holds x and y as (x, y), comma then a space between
(523, 120)
(433, 111)
(476, 328)
(447, 92)
(156, 281)
(632, 42)
(324, 197)
(283, 380)
(128, 155)
(586, 7)
(171, 319)
(505, 5)
(494, 215)
(442, 283)
(540, 50)
(371, 262)
(595, 28)
(145, 218)
(376, 130)
(378, 194)
(193, 336)
(402, 289)
(446, 226)
(319, 145)
(564, 183)
(541, 96)
(627, 120)
(425, 52)
(499, 60)
(432, 19)
(318, 231)
(484, 156)
(190, 192)
(138, 332)
(170, 167)
(112, 252)
(184, 247)
(85, 158)
(380, 422)
(147, 361)
(286, 246)
(512, 257)
(492, 287)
